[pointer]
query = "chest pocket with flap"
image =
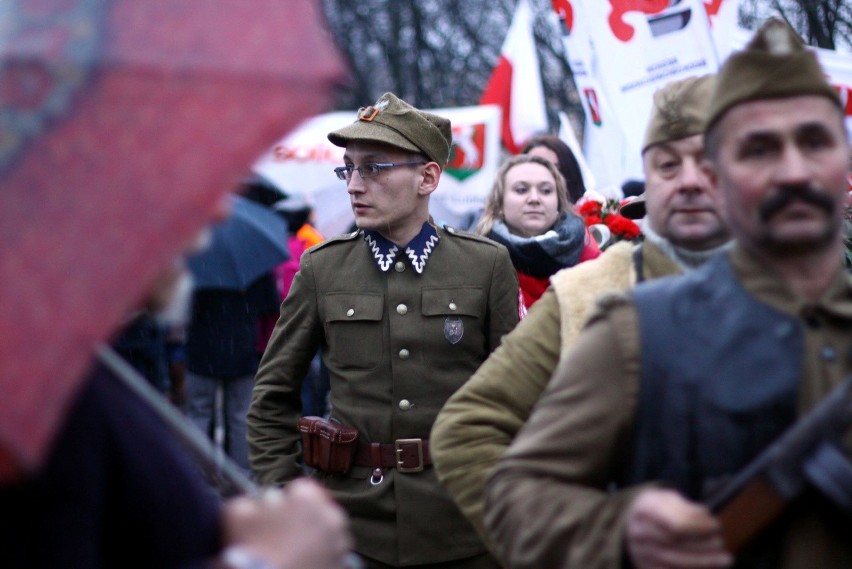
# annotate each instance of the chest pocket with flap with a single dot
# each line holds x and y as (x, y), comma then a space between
(453, 301)
(354, 329)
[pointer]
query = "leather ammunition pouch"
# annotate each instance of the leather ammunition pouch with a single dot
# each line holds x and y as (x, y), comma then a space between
(327, 445)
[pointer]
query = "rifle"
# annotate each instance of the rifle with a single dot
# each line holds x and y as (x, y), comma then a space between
(807, 453)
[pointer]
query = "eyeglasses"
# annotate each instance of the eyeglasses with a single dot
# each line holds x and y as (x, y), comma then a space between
(370, 170)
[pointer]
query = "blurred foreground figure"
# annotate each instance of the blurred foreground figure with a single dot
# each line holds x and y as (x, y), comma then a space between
(674, 388)
(683, 229)
(123, 125)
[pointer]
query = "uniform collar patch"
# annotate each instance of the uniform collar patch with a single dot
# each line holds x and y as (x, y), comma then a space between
(417, 251)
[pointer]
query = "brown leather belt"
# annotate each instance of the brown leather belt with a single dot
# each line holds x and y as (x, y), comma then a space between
(406, 455)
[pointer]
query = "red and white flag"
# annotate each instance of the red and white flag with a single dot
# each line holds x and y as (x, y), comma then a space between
(515, 83)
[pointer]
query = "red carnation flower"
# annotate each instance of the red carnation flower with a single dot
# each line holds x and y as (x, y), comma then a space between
(590, 207)
(592, 220)
(622, 226)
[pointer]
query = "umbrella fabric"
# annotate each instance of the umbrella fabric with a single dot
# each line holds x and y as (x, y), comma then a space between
(122, 123)
(250, 242)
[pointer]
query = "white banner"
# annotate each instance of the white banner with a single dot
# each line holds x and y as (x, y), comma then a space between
(302, 163)
(604, 142)
(567, 135)
(838, 67)
(647, 45)
(724, 24)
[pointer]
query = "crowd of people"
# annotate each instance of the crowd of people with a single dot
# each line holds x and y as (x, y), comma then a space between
(514, 396)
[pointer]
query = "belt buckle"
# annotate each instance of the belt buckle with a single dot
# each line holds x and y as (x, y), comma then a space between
(400, 462)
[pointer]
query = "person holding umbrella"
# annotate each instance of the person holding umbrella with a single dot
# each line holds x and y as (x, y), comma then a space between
(113, 160)
(234, 291)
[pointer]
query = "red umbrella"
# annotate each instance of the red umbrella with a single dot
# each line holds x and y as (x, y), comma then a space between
(121, 125)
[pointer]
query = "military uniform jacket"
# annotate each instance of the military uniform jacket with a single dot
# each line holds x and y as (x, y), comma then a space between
(549, 501)
(479, 422)
(394, 354)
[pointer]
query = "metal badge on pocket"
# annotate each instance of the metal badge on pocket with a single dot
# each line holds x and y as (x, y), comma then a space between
(453, 329)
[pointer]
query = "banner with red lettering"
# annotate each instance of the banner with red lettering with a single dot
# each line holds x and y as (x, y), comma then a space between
(302, 163)
(604, 143)
(647, 44)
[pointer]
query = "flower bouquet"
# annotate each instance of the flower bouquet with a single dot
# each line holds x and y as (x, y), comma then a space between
(606, 213)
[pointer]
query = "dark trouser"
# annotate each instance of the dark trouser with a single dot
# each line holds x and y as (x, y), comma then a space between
(484, 561)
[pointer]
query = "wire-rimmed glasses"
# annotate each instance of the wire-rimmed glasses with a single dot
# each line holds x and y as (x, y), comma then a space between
(369, 170)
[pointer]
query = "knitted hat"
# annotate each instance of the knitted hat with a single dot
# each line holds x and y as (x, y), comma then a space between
(393, 121)
(774, 64)
(679, 110)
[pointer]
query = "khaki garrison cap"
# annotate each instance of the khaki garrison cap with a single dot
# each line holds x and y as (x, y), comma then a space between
(679, 110)
(774, 64)
(393, 121)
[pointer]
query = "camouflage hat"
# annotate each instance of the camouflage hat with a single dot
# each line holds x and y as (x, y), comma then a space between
(393, 121)
(774, 64)
(679, 110)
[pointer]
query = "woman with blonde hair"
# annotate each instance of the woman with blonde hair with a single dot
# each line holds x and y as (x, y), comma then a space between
(528, 211)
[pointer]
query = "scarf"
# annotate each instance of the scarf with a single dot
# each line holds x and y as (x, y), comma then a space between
(686, 258)
(543, 255)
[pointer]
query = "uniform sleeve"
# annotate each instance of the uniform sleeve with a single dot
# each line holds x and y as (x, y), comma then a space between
(546, 503)
(502, 299)
(274, 441)
(480, 420)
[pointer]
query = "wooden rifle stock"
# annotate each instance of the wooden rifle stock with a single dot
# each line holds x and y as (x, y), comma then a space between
(754, 508)
(758, 494)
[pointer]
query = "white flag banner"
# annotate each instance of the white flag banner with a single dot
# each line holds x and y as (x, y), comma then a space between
(567, 135)
(642, 46)
(604, 142)
(303, 162)
(515, 83)
(838, 67)
(724, 25)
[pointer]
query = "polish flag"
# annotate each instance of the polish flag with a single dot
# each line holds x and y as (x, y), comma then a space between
(515, 83)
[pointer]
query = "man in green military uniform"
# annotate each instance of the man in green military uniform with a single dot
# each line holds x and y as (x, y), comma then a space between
(683, 229)
(404, 312)
(673, 388)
